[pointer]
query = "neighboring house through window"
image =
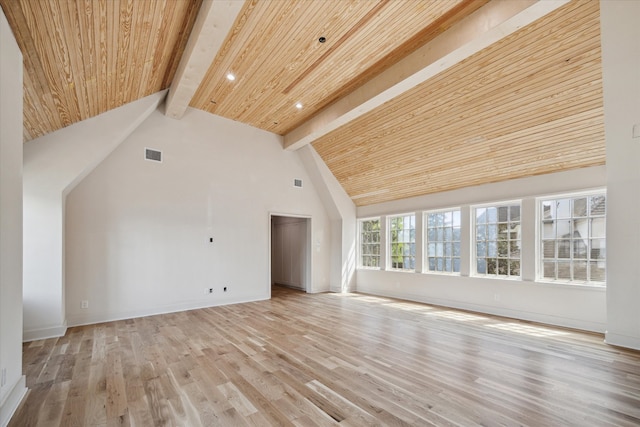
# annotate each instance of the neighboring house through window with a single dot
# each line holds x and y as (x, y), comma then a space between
(572, 239)
(498, 240)
(442, 236)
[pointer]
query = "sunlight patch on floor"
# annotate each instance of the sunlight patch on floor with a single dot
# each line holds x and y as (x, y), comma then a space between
(455, 315)
(535, 331)
(371, 299)
(408, 307)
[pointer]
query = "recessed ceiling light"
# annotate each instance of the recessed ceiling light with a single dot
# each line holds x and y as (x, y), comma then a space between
(299, 105)
(230, 77)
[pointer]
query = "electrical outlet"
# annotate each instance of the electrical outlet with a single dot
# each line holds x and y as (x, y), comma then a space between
(3, 379)
(84, 304)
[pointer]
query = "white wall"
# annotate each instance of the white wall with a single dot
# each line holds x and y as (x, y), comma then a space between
(342, 212)
(53, 165)
(137, 232)
(621, 84)
(12, 382)
(565, 305)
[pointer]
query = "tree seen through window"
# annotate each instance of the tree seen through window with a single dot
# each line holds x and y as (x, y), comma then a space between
(402, 242)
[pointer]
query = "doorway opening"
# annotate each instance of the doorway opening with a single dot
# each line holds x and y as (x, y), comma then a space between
(291, 252)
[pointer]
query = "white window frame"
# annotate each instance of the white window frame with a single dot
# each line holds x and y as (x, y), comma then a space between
(540, 239)
(474, 236)
(359, 240)
(425, 240)
(390, 242)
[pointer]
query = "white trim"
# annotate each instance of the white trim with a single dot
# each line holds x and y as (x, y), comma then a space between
(458, 208)
(103, 317)
(539, 274)
(516, 315)
(425, 242)
(474, 244)
(12, 401)
(360, 267)
(574, 284)
(388, 243)
(44, 333)
(497, 204)
(622, 340)
(308, 285)
(566, 194)
(359, 222)
(441, 273)
(370, 218)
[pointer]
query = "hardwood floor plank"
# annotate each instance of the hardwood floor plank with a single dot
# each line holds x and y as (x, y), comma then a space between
(322, 406)
(328, 359)
(73, 412)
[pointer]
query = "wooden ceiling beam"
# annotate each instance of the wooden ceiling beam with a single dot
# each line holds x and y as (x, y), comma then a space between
(479, 30)
(215, 20)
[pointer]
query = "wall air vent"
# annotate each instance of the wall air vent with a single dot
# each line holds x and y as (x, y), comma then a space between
(153, 155)
(297, 183)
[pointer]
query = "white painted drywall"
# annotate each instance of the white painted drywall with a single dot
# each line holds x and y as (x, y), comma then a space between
(137, 232)
(342, 212)
(580, 307)
(53, 165)
(12, 385)
(621, 85)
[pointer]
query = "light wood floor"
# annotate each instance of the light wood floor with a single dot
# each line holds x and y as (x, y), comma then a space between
(325, 359)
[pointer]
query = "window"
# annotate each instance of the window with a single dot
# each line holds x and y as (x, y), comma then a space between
(370, 243)
(402, 242)
(497, 240)
(572, 239)
(442, 233)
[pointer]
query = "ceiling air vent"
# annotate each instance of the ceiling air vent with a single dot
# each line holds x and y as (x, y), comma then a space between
(153, 155)
(297, 183)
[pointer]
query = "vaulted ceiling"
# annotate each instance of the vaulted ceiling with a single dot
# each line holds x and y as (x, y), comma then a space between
(400, 98)
(85, 57)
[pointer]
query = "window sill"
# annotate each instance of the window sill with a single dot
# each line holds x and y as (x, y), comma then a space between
(492, 277)
(401, 270)
(441, 273)
(572, 285)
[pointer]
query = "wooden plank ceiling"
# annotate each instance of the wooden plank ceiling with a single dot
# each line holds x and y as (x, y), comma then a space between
(85, 57)
(529, 104)
(277, 59)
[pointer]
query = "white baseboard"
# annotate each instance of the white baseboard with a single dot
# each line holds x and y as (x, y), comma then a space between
(94, 318)
(497, 311)
(44, 333)
(12, 401)
(622, 340)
